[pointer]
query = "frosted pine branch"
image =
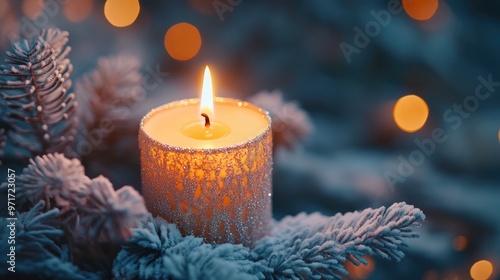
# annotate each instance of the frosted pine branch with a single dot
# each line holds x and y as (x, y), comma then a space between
(38, 253)
(315, 247)
(36, 233)
(57, 40)
(290, 123)
(157, 250)
(104, 223)
(34, 83)
(110, 90)
(47, 267)
(109, 216)
(37, 230)
(301, 247)
(53, 178)
(96, 219)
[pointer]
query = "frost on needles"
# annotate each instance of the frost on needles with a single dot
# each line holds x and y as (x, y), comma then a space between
(300, 247)
(37, 107)
(74, 227)
(85, 216)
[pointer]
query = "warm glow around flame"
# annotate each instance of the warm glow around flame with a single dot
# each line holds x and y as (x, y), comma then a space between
(207, 96)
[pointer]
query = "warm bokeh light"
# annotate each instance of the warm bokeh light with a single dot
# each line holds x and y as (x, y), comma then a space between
(420, 9)
(431, 275)
(499, 135)
(121, 13)
(33, 8)
(481, 270)
(205, 7)
(4, 6)
(441, 19)
(10, 25)
(207, 97)
(182, 41)
(410, 113)
(362, 271)
(78, 10)
(460, 243)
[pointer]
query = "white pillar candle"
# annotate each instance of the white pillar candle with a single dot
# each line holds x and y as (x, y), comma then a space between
(209, 175)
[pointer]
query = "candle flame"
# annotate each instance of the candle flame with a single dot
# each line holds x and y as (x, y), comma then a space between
(207, 97)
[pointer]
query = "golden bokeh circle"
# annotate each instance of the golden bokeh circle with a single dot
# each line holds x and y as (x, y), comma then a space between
(182, 41)
(481, 270)
(420, 9)
(121, 13)
(410, 113)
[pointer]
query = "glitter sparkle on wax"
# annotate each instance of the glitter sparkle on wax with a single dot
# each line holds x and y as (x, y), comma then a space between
(211, 174)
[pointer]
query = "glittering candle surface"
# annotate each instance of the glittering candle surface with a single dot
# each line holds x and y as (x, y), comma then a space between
(219, 190)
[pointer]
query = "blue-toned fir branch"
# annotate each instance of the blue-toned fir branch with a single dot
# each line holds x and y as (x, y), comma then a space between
(315, 246)
(108, 92)
(38, 255)
(300, 247)
(76, 222)
(96, 219)
(157, 250)
(37, 108)
(36, 233)
(58, 181)
(105, 223)
(110, 215)
(290, 123)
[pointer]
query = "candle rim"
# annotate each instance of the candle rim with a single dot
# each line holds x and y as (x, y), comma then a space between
(194, 101)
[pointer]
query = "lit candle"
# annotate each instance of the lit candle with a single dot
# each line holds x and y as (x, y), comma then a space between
(206, 166)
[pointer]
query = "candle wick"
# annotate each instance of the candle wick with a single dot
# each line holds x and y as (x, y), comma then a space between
(207, 120)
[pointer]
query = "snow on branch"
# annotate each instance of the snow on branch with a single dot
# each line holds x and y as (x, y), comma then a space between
(38, 254)
(316, 247)
(38, 109)
(109, 91)
(159, 251)
(58, 181)
(95, 218)
(109, 215)
(290, 123)
(300, 247)
(36, 232)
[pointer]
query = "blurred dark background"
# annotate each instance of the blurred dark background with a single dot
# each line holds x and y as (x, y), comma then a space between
(346, 63)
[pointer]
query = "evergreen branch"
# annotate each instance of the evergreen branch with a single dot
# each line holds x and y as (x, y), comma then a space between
(57, 40)
(34, 84)
(58, 181)
(315, 247)
(109, 216)
(301, 247)
(111, 89)
(98, 227)
(290, 123)
(36, 233)
(157, 250)
(38, 253)
(54, 268)
(96, 219)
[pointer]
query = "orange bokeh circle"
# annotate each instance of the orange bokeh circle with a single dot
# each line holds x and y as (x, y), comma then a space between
(182, 41)
(420, 9)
